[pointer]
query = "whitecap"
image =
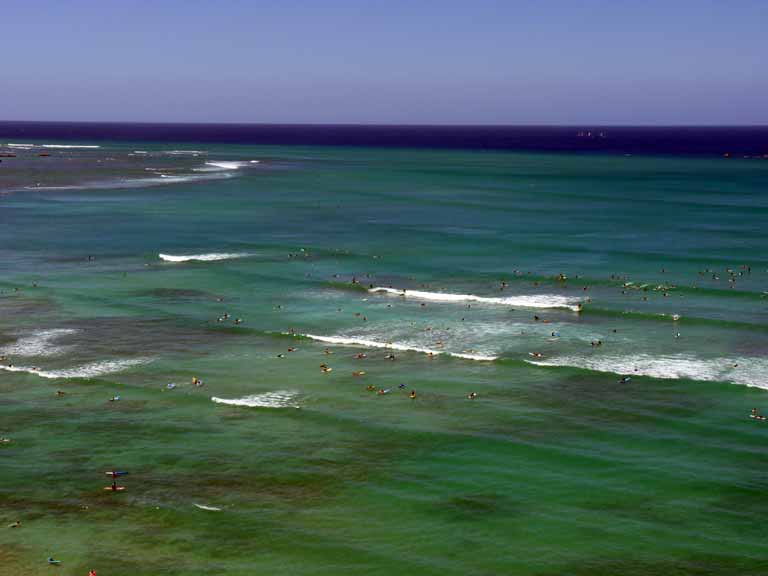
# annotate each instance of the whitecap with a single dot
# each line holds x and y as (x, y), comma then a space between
(162, 179)
(740, 370)
(402, 347)
(208, 508)
(38, 344)
(225, 165)
(213, 256)
(276, 399)
(522, 301)
(85, 371)
(69, 146)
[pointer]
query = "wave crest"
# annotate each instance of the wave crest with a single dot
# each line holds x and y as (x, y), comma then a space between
(523, 301)
(85, 371)
(276, 399)
(210, 257)
(745, 371)
(402, 347)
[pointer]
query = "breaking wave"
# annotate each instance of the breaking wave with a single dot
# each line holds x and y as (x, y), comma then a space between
(523, 301)
(213, 256)
(402, 347)
(277, 399)
(216, 166)
(745, 371)
(85, 371)
(38, 344)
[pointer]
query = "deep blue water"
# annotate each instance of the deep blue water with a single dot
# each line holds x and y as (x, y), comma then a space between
(608, 139)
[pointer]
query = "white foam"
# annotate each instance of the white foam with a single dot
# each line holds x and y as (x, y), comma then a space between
(209, 508)
(225, 165)
(749, 372)
(68, 146)
(402, 347)
(183, 152)
(530, 301)
(277, 399)
(162, 179)
(213, 256)
(26, 146)
(38, 344)
(85, 371)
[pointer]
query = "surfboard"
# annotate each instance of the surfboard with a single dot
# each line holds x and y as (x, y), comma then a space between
(118, 489)
(115, 474)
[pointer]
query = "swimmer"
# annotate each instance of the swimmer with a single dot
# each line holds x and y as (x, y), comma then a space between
(401, 386)
(370, 387)
(60, 392)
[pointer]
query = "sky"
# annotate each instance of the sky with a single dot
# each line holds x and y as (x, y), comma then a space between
(386, 62)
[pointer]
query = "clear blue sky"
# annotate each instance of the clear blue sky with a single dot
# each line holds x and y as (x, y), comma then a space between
(388, 61)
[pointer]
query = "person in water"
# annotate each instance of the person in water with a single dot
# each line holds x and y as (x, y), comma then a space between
(412, 394)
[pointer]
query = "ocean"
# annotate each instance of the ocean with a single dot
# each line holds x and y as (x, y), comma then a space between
(378, 350)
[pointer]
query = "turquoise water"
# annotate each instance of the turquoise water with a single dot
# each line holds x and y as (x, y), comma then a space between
(479, 272)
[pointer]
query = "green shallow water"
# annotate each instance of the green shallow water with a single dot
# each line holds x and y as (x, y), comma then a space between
(555, 468)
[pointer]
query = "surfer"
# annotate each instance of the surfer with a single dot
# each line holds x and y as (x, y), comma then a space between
(756, 414)
(16, 524)
(624, 379)
(472, 395)
(52, 561)
(412, 394)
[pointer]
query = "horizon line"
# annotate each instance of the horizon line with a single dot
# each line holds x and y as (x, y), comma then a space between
(384, 125)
